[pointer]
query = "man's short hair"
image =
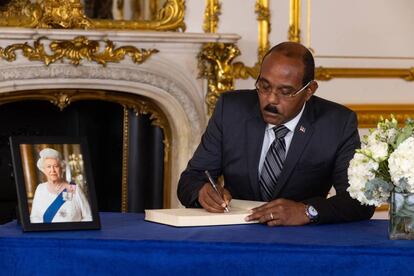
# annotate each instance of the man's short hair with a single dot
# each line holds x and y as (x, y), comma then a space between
(297, 50)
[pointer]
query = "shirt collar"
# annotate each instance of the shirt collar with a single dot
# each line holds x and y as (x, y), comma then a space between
(291, 125)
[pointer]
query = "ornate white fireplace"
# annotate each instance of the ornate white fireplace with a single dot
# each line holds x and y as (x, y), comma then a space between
(168, 77)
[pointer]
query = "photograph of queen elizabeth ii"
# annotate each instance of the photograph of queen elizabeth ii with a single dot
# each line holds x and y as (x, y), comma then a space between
(57, 199)
(54, 182)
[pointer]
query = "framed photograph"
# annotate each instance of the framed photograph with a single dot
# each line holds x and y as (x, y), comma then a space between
(55, 188)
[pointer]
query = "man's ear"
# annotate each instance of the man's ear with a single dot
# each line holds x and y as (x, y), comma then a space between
(313, 86)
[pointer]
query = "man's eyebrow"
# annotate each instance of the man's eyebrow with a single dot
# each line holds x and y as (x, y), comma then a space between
(286, 86)
(263, 79)
(280, 86)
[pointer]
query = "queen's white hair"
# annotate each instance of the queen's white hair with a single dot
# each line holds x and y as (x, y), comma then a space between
(52, 154)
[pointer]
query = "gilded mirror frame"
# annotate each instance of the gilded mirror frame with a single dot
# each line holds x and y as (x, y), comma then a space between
(69, 14)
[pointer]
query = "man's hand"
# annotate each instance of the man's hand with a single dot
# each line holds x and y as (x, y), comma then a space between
(280, 212)
(211, 201)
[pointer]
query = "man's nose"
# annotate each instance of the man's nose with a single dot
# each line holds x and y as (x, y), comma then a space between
(274, 97)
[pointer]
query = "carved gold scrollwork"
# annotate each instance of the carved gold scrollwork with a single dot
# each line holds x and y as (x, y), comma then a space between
(211, 16)
(65, 14)
(76, 50)
(263, 18)
(214, 62)
(240, 70)
(169, 18)
(294, 21)
(69, 14)
(61, 100)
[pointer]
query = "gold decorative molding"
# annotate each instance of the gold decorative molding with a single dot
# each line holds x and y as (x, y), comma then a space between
(215, 60)
(76, 50)
(214, 63)
(240, 70)
(308, 25)
(61, 100)
(211, 16)
(66, 14)
(263, 18)
(169, 18)
(369, 114)
(69, 14)
(138, 104)
(326, 74)
(294, 21)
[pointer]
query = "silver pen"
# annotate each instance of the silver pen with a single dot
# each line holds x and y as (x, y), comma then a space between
(215, 187)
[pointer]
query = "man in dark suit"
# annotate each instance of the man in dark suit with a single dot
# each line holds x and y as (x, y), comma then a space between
(295, 170)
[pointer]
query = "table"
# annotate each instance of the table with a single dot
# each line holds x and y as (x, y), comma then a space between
(128, 244)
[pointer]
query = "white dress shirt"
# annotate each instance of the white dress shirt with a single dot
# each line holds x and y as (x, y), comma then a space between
(269, 137)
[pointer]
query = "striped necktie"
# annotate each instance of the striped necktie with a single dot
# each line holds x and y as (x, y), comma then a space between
(273, 163)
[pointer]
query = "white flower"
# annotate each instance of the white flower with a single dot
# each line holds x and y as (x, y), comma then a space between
(391, 135)
(361, 169)
(379, 151)
(378, 168)
(401, 165)
(375, 144)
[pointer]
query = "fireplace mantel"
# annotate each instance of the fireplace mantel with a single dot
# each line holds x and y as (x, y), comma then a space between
(168, 77)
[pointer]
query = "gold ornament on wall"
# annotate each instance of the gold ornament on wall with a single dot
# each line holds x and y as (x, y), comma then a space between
(219, 70)
(240, 70)
(76, 50)
(61, 100)
(211, 16)
(69, 14)
(169, 18)
(369, 114)
(325, 74)
(214, 62)
(294, 21)
(66, 14)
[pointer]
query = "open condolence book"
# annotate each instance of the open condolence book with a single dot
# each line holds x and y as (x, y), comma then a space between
(239, 209)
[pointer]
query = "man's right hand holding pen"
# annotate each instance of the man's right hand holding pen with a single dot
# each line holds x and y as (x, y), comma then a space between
(212, 200)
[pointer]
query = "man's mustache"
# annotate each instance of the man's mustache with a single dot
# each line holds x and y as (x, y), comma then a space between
(271, 108)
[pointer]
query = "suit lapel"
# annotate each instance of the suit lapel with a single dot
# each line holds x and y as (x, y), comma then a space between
(301, 137)
(255, 128)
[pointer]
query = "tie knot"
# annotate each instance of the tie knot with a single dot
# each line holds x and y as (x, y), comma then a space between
(280, 131)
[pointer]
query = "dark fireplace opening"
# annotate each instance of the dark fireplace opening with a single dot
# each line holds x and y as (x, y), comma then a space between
(102, 123)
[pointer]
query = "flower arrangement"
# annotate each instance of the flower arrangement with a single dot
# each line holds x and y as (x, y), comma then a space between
(385, 163)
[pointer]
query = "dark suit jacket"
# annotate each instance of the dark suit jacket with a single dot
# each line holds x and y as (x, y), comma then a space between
(323, 143)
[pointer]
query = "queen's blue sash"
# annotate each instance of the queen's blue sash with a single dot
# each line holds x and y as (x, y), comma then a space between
(53, 208)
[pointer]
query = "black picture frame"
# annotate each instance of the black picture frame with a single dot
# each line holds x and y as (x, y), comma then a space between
(77, 174)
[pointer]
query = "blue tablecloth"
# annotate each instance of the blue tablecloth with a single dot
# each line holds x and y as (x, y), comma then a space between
(128, 244)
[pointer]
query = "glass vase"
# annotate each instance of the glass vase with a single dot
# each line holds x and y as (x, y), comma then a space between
(401, 225)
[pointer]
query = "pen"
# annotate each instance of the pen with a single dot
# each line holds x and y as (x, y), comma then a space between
(215, 187)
